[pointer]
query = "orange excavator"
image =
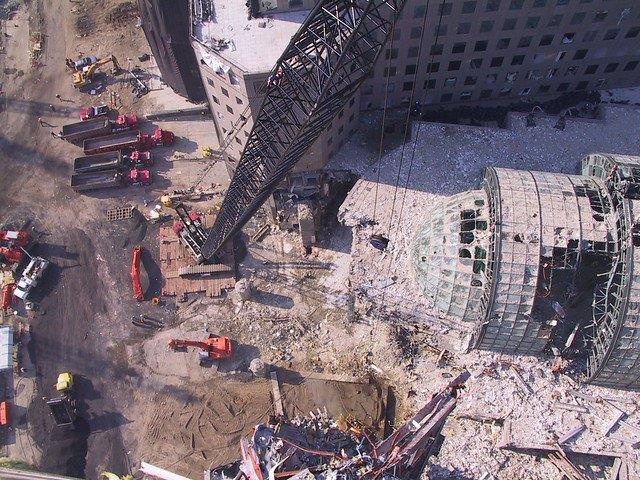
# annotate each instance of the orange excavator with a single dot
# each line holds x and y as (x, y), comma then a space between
(213, 348)
(135, 274)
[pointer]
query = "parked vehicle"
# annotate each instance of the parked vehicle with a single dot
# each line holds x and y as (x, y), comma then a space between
(63, 407)
(30, 278)
(109, 178)
(78, 131)
(94, 112)
(129, 139)
(97, 163)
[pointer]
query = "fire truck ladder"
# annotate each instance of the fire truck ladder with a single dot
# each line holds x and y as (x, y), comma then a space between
(322, 67)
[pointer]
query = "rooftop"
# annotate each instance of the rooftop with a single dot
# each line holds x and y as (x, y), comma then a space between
(252, 45)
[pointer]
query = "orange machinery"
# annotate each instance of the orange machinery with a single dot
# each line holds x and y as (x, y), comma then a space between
(214, 347)
(7, 295)
(135, 274)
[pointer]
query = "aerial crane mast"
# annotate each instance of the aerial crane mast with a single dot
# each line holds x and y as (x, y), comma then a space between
(320, 70)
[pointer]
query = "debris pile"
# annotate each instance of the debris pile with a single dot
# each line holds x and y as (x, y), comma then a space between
(320, 447)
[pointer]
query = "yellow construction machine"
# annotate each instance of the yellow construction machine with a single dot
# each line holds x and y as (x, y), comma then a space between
(85, 76)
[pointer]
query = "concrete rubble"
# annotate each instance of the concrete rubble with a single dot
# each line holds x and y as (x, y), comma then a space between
(320, 447)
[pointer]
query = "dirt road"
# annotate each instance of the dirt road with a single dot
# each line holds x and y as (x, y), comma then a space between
(77, 305)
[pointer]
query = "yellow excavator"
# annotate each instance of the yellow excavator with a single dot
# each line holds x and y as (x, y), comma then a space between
(85, 76)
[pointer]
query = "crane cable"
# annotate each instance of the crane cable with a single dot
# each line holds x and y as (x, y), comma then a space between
(417, 132)
(384, 118)
(408, 116)
(374, 330)
(233, 133)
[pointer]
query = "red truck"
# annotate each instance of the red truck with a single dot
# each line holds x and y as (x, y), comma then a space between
(94, 112)
(130, 139)
(123, 123)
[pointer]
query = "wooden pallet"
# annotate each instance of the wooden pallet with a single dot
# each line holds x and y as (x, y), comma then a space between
(174, 257)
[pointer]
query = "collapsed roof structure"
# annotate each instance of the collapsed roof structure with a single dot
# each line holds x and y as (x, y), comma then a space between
(320, 447)
(543, 260)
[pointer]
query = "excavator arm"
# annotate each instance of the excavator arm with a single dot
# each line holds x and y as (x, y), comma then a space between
(321, 69)
(80, 79)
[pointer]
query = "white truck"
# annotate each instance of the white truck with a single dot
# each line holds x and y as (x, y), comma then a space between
(30, 277)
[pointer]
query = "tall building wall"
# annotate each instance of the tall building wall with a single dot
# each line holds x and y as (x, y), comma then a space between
(230, 90)
(484, 50)
(166, 27)
(507, 49)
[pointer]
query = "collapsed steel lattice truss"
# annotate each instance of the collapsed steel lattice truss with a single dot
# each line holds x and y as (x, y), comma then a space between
(324, 64)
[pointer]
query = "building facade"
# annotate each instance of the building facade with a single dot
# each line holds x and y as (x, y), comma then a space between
(442, 52)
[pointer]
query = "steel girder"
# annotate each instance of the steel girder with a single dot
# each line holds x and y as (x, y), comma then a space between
(322, 67)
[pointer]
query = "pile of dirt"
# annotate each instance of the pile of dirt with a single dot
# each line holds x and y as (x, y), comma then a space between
(85, 24)
(122, 12)
(202, 427)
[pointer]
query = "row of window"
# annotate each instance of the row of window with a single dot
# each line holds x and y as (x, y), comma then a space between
(473, 6)
(507, 91)
(510, 77)
(224, 91)
(506, 42)
(509, 24)
(497, 62)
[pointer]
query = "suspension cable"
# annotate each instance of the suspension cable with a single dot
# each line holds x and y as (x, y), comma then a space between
(384, 118)
(407, 121)
(417, 132)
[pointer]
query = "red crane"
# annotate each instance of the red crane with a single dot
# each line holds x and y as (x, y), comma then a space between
(135, 274)
(215, 347)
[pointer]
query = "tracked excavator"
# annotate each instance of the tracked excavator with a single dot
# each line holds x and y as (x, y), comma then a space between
(84, 77)
(321, 69)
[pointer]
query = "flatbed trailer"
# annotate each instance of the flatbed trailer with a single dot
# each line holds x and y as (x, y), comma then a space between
(96, 180)
(110, 143)
(129, 139)
(78, 131)
(98, 163)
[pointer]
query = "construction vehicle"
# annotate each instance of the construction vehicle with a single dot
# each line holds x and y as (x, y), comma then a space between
(17, 238)
(31, 276)
(112, 161)
(11, 255)
(98, 127)
(84, 77)
(189, 230)
(113, 476)
(97, 163)
(303, 94)
(122, 123)
(109, 178)
(63, 407)
(7, 295)
(15, 241)
(78, 131)
(82, 63)
(135, 274)
(137, 158)
(213, 348)
(94, 112)
(134, 140)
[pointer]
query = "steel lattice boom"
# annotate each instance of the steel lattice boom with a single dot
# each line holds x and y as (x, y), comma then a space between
(324, 64)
